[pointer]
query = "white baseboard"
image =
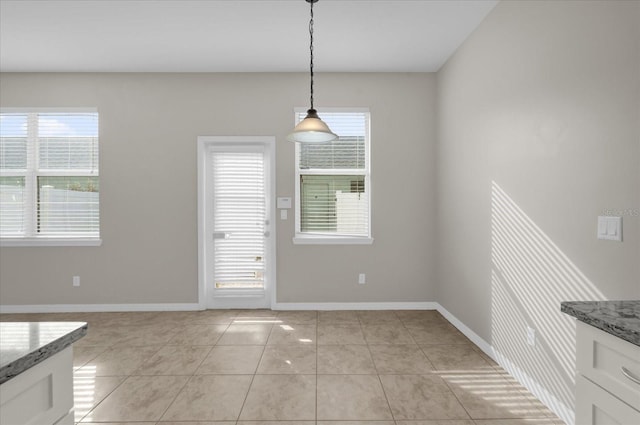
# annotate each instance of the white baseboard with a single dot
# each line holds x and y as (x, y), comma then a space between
(357, 306)
(563, 411)
(474, 337)
(556, 406)
(90, 308)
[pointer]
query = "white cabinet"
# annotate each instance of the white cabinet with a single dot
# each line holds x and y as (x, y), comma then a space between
(606, 389)
(41, 395)
(596, 406)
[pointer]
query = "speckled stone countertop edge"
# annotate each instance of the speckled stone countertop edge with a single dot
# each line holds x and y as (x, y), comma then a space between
(623, 332)
(16, 367)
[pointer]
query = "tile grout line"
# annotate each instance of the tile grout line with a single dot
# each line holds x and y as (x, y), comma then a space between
(126, 377)
(100, 402)
(445, 382)
(380, 380)
(253, 376)
(191, 377)
(175, 397)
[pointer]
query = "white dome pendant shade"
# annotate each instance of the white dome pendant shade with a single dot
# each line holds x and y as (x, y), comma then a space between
(312, 130)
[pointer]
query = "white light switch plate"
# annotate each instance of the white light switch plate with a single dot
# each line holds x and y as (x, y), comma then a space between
(610, 228)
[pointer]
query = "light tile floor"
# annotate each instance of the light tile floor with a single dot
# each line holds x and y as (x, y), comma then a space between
(227, 367)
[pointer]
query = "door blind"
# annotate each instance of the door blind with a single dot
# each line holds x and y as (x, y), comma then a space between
(239, 218)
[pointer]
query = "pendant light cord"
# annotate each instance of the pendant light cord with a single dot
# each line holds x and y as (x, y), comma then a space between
(311, 51)
(311, 129)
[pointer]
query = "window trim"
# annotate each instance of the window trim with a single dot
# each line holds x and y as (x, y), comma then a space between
(332, 240)
(301, 238)
(49, 241)
(55, 240)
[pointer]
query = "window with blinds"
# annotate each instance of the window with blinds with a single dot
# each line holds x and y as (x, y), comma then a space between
(49, 185)
(333, 179)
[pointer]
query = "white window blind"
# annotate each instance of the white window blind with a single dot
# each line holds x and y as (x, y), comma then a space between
(49, 186)
(239, 218)
(334, 179)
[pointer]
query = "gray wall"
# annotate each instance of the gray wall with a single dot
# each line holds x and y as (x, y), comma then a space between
(538, 120)
(149, 124)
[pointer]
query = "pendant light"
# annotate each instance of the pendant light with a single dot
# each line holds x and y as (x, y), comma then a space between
(311, 129)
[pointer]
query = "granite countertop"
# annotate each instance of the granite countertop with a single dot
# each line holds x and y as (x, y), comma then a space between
(619, 318)
(25, 344)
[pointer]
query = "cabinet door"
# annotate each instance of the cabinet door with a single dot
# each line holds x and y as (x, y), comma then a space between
(596, 406)
(603, 358)
(40, 395)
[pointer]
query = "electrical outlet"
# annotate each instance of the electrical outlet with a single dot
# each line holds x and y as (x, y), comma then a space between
(362, 279)
(76, 281)
(531, 336)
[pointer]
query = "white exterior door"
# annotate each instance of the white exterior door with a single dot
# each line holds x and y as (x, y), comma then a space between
(235, 226)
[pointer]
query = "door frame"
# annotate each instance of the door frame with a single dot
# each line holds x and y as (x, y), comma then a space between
(205, 299)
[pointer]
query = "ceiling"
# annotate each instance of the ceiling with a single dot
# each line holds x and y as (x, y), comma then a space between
(233, 35)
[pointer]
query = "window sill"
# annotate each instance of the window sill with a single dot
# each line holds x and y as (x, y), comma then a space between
(331, 240)
(26, 242)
